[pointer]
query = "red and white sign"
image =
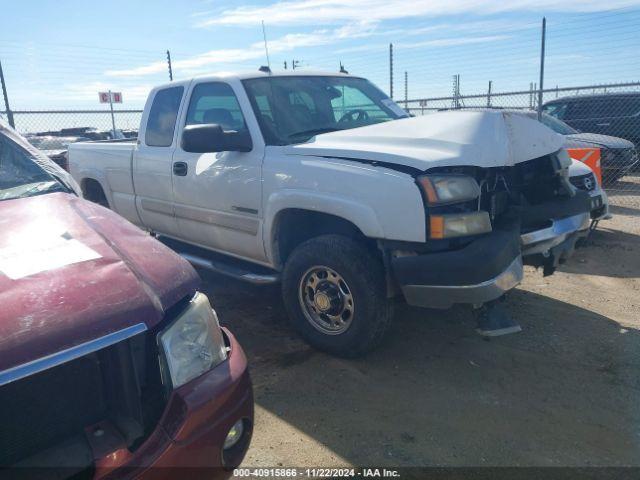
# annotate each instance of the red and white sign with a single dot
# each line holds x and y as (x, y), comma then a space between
(116, 97)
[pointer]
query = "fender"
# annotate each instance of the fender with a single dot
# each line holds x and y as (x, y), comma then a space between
(362, 216)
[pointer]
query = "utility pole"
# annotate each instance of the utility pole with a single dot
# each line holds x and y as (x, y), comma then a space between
(544, 34)
(489, 95)
(6, 99)
(391, 70)
(406, 89)
(169, 64)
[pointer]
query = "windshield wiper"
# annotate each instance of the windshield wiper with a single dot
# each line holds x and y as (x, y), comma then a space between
(31, 189)
(314, 131)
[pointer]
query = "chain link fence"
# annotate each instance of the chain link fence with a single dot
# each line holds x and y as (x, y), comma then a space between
(590, 60)
(604, 117)
(96, 124)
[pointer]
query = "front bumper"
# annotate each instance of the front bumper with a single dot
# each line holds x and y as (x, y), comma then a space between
(189, 439)
(543, 240)
(599, 205)
(482, 271)
(488, 267)
(445, 296)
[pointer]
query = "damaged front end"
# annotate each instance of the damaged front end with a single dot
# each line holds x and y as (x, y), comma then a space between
(537, 195)
(528, 213)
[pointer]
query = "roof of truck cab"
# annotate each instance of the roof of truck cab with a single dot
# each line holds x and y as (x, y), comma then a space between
(256, 74)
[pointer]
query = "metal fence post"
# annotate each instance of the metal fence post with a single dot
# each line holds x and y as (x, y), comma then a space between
(541, 86)
(113, 118)
(406, 90)
(391, 70)
(489, 95)
(6, 99)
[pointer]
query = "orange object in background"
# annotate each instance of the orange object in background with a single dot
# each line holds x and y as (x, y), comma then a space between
(590, 156)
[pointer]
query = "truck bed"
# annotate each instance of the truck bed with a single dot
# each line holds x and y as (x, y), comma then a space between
(109, 163)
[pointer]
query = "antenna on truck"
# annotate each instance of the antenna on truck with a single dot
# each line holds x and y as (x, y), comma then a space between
(266, 48)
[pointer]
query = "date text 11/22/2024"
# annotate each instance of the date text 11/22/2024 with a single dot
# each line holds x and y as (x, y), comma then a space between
(315, 472)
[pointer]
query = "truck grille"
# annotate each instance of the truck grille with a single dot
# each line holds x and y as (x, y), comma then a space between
(45, 417)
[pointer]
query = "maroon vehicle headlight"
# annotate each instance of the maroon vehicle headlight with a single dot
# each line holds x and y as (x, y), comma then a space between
(193, 344)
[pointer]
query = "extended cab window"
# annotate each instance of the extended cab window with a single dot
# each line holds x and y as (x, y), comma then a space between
(215, 102)
(162, 117)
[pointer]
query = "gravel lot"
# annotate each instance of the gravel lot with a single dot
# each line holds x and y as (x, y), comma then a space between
(563, 392)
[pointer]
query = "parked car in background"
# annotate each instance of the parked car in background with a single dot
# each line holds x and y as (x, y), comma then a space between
(56, 148)
(611, 121)
(615, 114)
(112, 363)
(617, 155)
(323, 182)
(583, 178)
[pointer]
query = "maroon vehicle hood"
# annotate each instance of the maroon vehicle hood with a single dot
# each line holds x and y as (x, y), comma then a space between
(130, 279)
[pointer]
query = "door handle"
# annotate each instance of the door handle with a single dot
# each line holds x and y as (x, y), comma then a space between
(180, 169)
(602, 124)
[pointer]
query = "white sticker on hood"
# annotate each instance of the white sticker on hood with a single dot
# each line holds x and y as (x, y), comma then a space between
(18, 261)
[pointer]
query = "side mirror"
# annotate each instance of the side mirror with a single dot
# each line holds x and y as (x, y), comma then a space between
(209, 138)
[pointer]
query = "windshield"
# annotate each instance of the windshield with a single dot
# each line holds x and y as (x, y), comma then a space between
(294, 109)
(557, 126)
(20, 176)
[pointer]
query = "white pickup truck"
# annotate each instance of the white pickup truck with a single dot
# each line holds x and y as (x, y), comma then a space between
(322, 182)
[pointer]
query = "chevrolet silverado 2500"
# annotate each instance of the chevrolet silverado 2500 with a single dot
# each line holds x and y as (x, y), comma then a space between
(112, 364)
(322, 182)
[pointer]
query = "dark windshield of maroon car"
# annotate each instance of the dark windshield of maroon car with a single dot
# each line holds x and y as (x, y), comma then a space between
(20, 176)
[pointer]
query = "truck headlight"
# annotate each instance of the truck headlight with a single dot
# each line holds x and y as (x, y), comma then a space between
(445, 189)
(459, 224)
(193, 343)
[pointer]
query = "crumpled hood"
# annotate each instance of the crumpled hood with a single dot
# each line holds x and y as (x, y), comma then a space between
(72, 271)
(581, 140)
(480, 138)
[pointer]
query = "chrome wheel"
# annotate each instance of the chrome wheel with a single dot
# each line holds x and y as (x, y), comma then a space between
(326, 300)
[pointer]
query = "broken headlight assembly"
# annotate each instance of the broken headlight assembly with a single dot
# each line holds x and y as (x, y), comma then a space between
(447, 190)
(193, 344)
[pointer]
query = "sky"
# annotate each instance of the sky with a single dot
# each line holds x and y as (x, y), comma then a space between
(59, 55)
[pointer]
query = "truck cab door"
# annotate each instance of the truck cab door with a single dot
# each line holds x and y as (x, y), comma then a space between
(217, 196)
(152, 160)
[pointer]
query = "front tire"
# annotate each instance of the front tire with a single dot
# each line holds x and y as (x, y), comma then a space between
(334, 291)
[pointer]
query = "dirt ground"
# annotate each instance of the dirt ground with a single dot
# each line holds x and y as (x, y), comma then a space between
(563, 392)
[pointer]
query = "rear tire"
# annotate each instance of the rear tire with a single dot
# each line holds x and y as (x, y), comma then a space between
(334, 291)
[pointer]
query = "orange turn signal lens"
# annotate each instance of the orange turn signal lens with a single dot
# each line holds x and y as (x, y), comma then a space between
(459, 224)
(436, 226)
(427, 188)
